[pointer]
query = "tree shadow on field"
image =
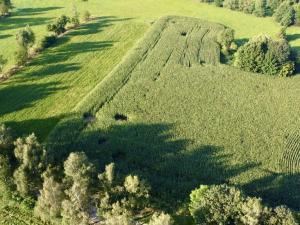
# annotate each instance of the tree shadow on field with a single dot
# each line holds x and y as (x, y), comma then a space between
(17, 97)
(23, 16)
(40, 127)
(241, 41)
(293, 37)
(54, 60)
(150, 151)
(278, 189)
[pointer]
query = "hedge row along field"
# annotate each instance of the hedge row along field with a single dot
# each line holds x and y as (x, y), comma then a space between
(167, 114)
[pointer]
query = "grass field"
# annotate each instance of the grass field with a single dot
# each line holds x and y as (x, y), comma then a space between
(182, 124)
(46, 90)
(177, 126)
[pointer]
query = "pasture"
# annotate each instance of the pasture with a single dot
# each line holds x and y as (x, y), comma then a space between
(172, 114)
(49, 88)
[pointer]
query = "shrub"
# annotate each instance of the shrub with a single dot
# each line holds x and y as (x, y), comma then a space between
(3, 62)
(5, 6)
(75, 18)
(285, 14)
(48, 41)
(247, 6)
(25, 37)
(86, 16)
(226, 37)
(59, 26)
(263, 55)
(21, 56)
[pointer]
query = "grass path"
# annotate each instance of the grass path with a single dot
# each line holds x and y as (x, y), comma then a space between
(45, 91)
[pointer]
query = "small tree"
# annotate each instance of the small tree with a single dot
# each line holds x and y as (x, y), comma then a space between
(75, 18)
(59, 26)
(31, 158)
(161, 219)
(285, 14)
(5, 6)
(49, 203)
(75, 209)
(25, 38)
(297, 14)
(260, 8)
(3, 62)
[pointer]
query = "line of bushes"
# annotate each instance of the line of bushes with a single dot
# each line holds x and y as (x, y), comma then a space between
(285, 12)
(78, 193)
(26, 40)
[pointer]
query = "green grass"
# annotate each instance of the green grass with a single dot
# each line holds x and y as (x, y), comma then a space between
(46, 90)
(184, 126)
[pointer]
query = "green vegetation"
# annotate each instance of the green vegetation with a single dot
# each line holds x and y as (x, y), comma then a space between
(285, 14)
(147, 118)
(221, 204)
(262, 54)
(171, 115)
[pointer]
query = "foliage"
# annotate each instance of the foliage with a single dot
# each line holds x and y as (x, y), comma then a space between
(161, 219)
(5, 6)
(49, 203)
(86, 16)
(59, 26)
(75, 17)
(25, 37)
(264, 55)
(31, 159)
(75, 209)
(260, 8)
(3, 61)
(285, 14)
(221, 204)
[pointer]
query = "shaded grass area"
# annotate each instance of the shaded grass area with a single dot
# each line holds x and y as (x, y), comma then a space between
(193, 125)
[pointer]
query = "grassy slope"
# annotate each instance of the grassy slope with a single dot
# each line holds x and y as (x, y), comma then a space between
(52, 85)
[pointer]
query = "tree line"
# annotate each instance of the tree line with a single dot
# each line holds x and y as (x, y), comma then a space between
(77, 193)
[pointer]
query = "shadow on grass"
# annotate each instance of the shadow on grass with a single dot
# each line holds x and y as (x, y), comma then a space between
(150, 151)
(17, 97)
(41, 127)
(278, 189)
(23, 16)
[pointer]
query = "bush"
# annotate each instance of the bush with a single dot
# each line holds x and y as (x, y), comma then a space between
(59, 26)
(21, 56)
(226, 38)
(3, 62)
(263, 55)
(86, 16)
(25, 37)
(285, 14)
(247, 6)
(48, 41)
(5, 6)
